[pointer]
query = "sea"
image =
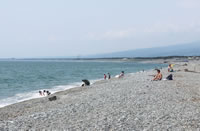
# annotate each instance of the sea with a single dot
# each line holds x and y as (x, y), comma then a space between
(22, 80)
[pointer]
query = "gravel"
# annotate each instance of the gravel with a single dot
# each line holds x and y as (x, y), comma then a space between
(130, 103)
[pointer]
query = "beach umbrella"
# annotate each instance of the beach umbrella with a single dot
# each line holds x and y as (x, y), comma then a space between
(86, 82)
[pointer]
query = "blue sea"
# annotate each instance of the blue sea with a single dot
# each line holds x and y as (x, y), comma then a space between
(22, 79)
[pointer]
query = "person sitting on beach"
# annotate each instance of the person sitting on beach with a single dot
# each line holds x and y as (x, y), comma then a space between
(170, 69)
(122, 74)
(158, 76)
(105, 76)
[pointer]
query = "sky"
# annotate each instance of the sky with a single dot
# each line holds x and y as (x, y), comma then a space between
(61, 28)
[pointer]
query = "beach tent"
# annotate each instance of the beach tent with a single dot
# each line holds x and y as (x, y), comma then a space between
(86, 82)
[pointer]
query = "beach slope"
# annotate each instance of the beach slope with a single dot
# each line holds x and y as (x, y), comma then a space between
(130, 103)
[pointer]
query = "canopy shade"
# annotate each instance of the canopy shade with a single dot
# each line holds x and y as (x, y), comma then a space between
(86, 82)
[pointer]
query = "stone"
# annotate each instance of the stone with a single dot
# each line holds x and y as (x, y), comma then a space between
(53, 98)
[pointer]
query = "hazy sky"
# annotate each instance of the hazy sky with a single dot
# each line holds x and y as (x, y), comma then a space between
(43, 28)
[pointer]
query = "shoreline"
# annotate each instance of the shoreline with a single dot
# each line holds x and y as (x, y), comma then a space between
(70, 86)
(131, 103)
(35, 95)
(25, 96)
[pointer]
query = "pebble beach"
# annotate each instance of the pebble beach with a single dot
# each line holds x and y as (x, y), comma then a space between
(133, 102)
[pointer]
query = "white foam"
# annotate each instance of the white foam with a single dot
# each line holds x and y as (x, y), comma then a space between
(19, 98)
(63, 87)
(35, 94)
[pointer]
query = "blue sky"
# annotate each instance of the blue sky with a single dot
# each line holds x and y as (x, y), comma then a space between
(49, 28)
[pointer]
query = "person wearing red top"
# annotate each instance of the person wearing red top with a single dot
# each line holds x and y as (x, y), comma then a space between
(105, 76)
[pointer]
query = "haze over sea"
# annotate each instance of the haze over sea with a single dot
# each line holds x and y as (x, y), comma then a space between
(21, 80)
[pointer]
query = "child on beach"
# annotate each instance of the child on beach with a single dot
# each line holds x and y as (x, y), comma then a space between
(105, 76)
(40, 92)
(44, 92)
(48, 93)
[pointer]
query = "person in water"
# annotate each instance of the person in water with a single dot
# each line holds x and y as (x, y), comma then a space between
(40, 92)
(109, 76)
(158, 77)
(44, 92)
(105, 77)
(48, 93)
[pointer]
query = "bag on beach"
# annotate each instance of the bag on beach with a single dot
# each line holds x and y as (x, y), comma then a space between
(170, 77)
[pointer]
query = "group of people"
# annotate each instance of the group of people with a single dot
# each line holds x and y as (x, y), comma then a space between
(44, 93)
(105, 76)
(159, 75)
(109, 76)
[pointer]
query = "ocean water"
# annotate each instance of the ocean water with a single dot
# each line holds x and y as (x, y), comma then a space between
(21, 80)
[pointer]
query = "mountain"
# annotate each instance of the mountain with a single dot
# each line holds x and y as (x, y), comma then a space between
(190, 49)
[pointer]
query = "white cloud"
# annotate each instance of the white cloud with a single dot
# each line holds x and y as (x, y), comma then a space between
(157, 28)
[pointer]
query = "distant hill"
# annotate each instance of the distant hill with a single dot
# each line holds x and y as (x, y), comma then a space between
(190, 49)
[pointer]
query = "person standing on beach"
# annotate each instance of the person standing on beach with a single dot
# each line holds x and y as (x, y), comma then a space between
(109, 76)
(105, 76)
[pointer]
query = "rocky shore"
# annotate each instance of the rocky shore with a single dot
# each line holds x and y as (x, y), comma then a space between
(130, 103)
